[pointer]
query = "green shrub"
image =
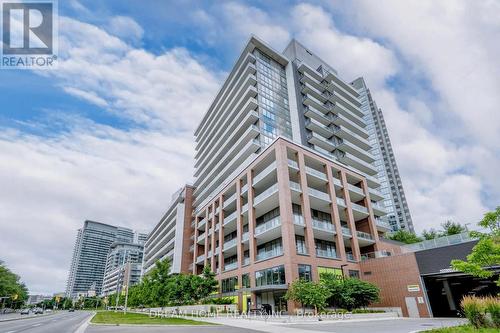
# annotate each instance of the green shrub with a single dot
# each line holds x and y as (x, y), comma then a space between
(219, 300)
(492, 306)
(473, 308)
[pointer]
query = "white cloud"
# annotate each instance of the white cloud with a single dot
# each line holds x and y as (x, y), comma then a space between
(50, 185)
(125, 28)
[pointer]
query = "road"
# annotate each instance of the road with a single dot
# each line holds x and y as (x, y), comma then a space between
(61, 322)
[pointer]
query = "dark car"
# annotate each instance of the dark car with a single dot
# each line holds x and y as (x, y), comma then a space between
(71, 310)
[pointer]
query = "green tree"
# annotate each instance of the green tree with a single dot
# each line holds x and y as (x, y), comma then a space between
(12, 287)
(349, 293)
(430, 234)
(486, 253)
(405, 237)
(308, 293)
(452, 228)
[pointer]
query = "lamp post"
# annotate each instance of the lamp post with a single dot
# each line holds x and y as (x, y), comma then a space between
(342, 270)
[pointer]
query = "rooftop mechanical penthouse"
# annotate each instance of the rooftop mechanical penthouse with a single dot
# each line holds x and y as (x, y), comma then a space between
(286, 183)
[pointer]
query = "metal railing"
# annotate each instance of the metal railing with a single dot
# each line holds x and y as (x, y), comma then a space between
(298, 220)
(359, 207)
(346, 231)
(229, 244)
(364, 235)
(438, 242)
(228, 267)
(326, 253)
(269, 254)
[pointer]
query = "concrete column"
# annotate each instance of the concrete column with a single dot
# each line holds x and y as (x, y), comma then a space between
(350, 218)
(339, 239)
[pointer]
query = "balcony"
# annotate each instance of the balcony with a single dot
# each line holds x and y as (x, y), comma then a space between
(351, 148)
(231, 217)
(358, 128)
(245, 237)
(319, 194)
(246, 261)
(346, 232)
(229, 200)
(350, 256)
(345, 133)
(269, 254)
(201, 224)
(295, 186)
(292, 164)
(357, 163)
(267, 193)
(376, 195)
(323, 226)
(200, 238)
(311, 101)
(269, 225)
(312, 113)
(326, 254)
(267, 171)
(378, 209)
(341, 202)
(364, 238)
(317, 127)
(231, 266)
(230, 244)
(359, 212)
(320, 141)
(355, 192)
(200, 259)
(316, 173)
(382, 225)
(318, 94)
(298, 220)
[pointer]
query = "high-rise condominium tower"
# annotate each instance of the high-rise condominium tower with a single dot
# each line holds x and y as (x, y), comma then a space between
(93, 243)
(398, 212)
(286, 184)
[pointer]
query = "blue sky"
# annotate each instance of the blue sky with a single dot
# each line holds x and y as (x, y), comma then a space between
(109, 134)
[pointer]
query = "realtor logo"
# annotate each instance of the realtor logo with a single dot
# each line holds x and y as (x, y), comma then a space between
(28, 34)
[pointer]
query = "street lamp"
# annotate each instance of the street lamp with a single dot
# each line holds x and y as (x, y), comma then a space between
(342, 270)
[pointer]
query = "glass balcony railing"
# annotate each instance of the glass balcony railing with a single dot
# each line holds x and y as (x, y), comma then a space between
(322, 225)
(319, 194)
(355, 189)
(298, 219)
(200, 237)
(230, 217)
(245, 236)
(350, 256)
(264, 172)
(359, 208)
(229, 199)
(346, 231)
(231, 266)
(265, 194)
(364, 235)
(295, 186)
(382, 223)
(273, 223)
(293, 164)
(326, 253)
(269, 254)
(246, 261)
(229, 244)
(341, 202)
(200, 258)
(316, 173)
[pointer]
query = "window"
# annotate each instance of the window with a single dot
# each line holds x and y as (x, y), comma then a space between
(229, 285)
(305, 272)
(300, 244)
(353, 274)
(245, 281)
(270, 249)
(270, 276)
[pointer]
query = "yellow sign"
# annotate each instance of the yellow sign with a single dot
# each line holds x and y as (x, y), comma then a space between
(15, 296)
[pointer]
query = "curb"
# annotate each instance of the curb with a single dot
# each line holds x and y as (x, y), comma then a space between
(85, 324)
(24, 318)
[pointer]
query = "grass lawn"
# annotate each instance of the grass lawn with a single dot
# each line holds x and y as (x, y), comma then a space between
(463, 329)
(111, 317)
